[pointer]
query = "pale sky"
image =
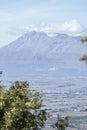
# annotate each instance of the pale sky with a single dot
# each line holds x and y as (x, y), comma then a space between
(20, 16)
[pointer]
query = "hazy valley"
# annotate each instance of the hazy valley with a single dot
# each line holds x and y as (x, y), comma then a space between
(52, 66)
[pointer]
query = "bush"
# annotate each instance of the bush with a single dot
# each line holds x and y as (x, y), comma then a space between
(61, 123)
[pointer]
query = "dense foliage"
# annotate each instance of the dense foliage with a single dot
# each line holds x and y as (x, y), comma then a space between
(20, 108)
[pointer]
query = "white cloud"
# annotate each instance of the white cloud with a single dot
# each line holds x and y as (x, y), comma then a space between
(72, 28)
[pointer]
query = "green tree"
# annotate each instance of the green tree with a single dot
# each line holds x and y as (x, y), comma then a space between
(61, 123)
(20, 108)
(84, 39)
(84, 57)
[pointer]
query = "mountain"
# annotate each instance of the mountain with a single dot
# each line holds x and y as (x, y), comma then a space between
(39, 46)
(40, 50)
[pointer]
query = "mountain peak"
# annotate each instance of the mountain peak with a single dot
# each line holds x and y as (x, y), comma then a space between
(33, 33)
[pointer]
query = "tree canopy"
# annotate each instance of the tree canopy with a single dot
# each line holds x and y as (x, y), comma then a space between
(20, 108)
